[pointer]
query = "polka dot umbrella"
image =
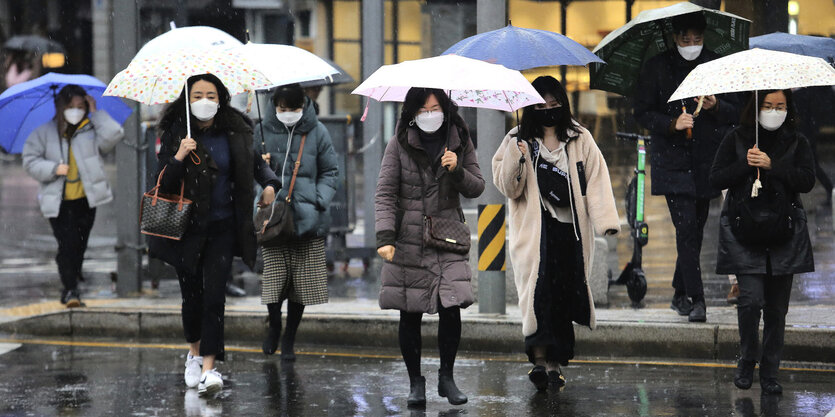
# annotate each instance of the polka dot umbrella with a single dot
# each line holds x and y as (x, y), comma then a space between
(160, 78)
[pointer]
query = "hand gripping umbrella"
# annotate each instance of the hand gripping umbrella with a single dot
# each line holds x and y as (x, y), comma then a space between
(754, 70)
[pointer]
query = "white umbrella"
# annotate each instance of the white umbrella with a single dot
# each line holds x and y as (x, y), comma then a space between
(753, 70)
(285, 64)
(469, 82)
(191, 38)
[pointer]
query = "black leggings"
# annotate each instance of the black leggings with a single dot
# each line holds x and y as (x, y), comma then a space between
(294, 317)
(449, 336)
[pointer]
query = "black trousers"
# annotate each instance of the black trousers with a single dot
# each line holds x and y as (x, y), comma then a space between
(689, 215)
(72, 231)
(768, 294)
(204, 292)
(560, 269)
(449, 337)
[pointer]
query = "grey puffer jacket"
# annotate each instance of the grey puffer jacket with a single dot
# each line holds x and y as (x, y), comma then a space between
(318, 172)
(410, 187)
(44, 150)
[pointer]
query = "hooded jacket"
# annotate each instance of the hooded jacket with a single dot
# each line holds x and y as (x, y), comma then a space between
(318, 175)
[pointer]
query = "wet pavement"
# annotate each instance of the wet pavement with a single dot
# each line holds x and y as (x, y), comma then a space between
(69, 378)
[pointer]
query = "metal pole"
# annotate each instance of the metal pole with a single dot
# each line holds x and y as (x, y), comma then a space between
(629, 4)
(490, 15)
(130, 245)
(564, 29)
(372, 129)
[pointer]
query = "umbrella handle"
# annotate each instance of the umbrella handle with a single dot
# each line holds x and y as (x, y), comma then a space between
(689, 131)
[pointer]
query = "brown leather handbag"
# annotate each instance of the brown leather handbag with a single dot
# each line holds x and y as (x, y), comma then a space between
(164, 215)
(274, 224)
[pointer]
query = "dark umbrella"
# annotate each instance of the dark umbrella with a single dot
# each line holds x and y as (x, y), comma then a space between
(33, 43)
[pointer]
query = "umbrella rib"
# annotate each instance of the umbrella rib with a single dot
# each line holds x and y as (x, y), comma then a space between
(23, 121)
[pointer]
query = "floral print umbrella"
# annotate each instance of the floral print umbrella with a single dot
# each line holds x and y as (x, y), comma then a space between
(752, 70)
(469, 82)
(159, 79)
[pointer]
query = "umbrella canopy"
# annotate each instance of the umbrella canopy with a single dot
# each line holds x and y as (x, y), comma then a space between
(189, 38)
(520, 49)
(628, 47)
(33, 43)
(817, 46)
(285, 64)
(342, 77)
(160, 79)
(27, 105)
(469, 82)
(752, 70)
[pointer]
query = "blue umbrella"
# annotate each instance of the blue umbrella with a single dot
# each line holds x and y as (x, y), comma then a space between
(520, 49)
(816, 46)
(25, 106)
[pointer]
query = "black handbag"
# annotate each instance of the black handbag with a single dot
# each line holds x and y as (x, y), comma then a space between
(274, 224)
(164, 215)
(765, 219)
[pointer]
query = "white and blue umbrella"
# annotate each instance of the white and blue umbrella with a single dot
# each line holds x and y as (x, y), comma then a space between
(25, 106)
(520, 48)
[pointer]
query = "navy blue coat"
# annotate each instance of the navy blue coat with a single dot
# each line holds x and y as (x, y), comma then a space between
(679, 165)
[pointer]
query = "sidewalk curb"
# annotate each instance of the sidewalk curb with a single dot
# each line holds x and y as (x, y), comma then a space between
(609, 339)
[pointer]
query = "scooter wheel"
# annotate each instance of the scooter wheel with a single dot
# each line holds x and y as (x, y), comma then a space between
(636, 287)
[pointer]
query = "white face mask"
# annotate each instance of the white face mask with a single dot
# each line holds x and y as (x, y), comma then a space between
(430, 121)
(289, 118)
(74, 116)
(771, 120)
(690, 52)
(204, 109)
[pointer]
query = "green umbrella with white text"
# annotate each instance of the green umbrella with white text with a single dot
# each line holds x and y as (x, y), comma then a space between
(627, 48)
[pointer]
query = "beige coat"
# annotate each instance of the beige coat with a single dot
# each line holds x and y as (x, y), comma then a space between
(596, 212)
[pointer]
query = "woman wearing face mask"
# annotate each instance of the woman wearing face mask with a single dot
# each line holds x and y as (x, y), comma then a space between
(681, 151)
(65, 156)
(217, 165)
(785, 165)
(296, 270)
(427, 166)
(558, 199)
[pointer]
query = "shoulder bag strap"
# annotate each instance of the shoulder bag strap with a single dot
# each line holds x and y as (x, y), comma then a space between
(296, 170)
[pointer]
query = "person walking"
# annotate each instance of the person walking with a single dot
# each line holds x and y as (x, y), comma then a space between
(681, 152)
(217, 166)
(764, 264)
(296, 270)
(427, 167)
(559, 196)
(64, 155)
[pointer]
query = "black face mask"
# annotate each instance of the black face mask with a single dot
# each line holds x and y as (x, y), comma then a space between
(548, 117)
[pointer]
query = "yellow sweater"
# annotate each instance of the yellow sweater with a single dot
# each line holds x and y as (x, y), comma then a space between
(73, 188)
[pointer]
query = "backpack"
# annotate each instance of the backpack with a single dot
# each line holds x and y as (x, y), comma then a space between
(764, 220)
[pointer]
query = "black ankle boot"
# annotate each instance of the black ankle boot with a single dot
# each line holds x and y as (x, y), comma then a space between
(288, 354)
(417, 392)
(271, 340)
(744, 375)
(448, 389)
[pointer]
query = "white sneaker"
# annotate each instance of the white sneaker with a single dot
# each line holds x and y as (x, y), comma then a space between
(210, 383)
(194, 366)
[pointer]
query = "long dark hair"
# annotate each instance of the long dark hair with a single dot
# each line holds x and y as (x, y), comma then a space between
(531, 128)
(749, 113)
(416, 98)
(175, 111)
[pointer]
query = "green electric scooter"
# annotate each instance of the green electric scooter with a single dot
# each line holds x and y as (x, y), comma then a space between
(633, 274)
